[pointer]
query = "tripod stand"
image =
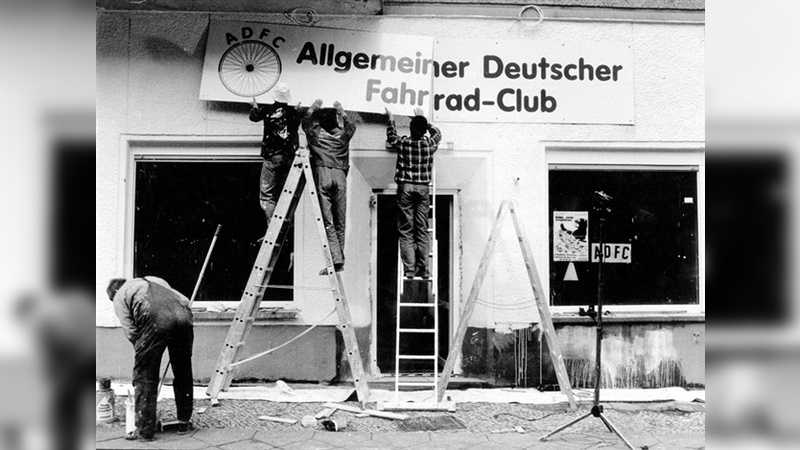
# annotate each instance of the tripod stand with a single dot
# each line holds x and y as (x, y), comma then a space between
(601, 205)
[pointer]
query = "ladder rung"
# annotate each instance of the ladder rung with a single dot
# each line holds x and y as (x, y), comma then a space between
(418, 383)
(418, 304)
(417, 330)
(416, 357)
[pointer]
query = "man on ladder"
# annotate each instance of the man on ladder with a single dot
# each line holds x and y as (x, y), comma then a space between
(413, 175)
(329, 146)
(278, 145)
(417, 284)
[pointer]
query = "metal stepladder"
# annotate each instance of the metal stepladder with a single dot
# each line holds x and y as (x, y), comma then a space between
(299, 177)
(419, 294)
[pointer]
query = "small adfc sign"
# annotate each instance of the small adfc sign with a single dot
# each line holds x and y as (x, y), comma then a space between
(612, 253)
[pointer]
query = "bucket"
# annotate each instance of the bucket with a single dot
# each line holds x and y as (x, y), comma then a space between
(105, 401)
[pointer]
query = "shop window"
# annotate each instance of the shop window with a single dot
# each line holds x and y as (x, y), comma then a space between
(178, 205)
(649, 235)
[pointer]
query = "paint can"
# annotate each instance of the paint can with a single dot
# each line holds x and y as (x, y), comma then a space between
(105, 401)
(130, 414)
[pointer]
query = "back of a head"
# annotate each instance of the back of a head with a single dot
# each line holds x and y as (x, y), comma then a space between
(419, 125)
(113, 286)
(328, 120)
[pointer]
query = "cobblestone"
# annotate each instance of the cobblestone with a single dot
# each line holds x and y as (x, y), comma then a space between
(486, 418)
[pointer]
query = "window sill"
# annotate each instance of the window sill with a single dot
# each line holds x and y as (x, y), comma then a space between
(263, 315)
(667, 317)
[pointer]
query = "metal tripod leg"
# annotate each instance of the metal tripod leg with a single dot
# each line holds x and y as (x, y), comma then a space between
(564, 427)
(607, 423)
(614, 429)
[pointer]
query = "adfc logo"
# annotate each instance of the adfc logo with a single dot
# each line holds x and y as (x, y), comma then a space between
(250, 67)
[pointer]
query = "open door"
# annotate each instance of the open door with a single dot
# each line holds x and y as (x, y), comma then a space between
(386, 294)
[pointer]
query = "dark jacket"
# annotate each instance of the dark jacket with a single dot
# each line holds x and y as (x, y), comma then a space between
(149, 300)
(280, 128)
(328, 149)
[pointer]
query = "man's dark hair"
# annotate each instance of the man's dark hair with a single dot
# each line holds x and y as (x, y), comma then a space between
(328, 119)
(419, 125)
(113, 287)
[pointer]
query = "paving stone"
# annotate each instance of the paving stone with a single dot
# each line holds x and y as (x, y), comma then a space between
(281, 439)
(342, 439)
(461, 439)
(179, 442)
(247, 445)
(223, 436)
(679, 441)
(124, 444)
(107, 433)
(311, 444)
(401, 439)
(493, 446)
(516, 440)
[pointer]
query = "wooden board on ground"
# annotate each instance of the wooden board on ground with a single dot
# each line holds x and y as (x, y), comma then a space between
(417, 406)
(277, 419)
(371, 412)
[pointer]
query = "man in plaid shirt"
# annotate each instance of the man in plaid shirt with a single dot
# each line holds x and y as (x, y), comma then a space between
(413, 175)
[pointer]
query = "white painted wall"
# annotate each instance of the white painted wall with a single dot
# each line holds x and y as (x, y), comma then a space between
(148, 78)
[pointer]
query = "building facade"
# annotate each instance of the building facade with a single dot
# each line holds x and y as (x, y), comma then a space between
(175, 159)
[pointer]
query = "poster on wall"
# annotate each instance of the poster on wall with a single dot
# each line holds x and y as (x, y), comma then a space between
(363, 71)
(570, 236)
(544, 81)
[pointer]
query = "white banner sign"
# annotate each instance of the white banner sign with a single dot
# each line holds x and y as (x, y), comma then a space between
(534, 81)
(454, 80)
(364, 71)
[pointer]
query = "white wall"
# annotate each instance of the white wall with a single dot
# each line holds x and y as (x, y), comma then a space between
(149, 68)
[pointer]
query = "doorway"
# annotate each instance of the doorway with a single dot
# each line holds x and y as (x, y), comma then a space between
(386, 288)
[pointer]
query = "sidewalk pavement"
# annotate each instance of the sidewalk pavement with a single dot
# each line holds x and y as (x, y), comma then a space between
(234, 425)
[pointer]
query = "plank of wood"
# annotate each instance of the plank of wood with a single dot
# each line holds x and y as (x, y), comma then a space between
(277, 419)
(371, 412)
(327, 412)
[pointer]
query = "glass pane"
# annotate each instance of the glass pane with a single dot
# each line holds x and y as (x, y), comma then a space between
(653, 214)
(178, 206)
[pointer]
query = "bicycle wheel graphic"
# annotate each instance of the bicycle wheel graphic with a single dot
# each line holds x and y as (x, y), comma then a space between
(249, 68)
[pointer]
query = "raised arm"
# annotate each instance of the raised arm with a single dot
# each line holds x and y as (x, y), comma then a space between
(435, 135)
(391, 132)
(256, 113)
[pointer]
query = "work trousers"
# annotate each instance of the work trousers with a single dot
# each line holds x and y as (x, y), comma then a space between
(332, 193)
(273, 176)
(413, 206)
(159, 333)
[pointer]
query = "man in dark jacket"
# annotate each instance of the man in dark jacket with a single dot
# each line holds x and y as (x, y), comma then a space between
(278, 145)
(156, 317)
(329, 146)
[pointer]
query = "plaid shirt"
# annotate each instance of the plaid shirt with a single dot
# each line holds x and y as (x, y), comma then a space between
(414, 156)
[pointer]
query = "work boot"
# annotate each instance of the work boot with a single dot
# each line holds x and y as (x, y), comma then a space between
(336, 267)
(185, 427)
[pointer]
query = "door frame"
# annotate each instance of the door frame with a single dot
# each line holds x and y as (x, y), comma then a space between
(455, 273)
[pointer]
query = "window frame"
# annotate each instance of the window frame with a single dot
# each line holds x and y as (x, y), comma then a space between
(677, 156)
(242, 148)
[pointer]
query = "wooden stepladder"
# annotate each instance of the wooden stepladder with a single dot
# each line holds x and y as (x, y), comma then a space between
(541, 303)
(299, 177)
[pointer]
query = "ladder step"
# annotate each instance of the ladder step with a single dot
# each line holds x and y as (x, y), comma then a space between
(421, 305)
(416, 357)
(418, 383)
(417, 330)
